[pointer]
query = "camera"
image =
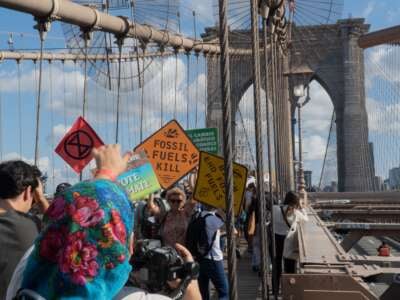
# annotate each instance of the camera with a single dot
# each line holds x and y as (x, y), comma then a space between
(155, 265)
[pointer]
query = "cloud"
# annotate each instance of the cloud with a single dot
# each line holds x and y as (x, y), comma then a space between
(369, 9)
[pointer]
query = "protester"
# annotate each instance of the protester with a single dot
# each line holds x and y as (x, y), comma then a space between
(286, 219)
(256, 246)
(84, 251)
(61, 188)
(174, 223)
(212, 264)
(383, 249)
(20, 188)
(250, 221)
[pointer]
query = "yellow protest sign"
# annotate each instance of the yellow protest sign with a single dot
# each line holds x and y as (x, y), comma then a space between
(210, 186)
(171, 153)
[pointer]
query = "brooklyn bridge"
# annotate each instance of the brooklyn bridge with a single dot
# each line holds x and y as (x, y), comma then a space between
(304, 98)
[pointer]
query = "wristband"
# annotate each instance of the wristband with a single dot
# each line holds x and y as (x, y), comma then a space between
(107, 173)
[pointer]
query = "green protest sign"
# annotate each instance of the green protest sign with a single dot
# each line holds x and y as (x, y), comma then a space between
(205, 139)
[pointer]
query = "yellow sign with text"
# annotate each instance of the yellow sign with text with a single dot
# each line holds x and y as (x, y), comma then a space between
(210, 185)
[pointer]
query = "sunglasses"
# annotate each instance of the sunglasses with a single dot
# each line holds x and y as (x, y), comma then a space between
(175, 201)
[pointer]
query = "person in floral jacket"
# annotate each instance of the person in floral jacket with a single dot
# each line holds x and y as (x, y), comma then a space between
(84, 250)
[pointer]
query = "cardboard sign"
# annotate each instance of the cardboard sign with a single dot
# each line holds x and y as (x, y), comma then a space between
(205, 139)
(210, 185)
(171, 153)
(77, 145)
(140, 179)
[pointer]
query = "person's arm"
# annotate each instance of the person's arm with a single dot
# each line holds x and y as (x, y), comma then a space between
(302, 215)
(39, 197)
(109, 161)
(192, 291)
(152, 207)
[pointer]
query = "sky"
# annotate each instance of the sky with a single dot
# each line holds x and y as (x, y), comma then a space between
(62, 95)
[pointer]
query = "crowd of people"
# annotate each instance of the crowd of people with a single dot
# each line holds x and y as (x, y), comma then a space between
(80, 245)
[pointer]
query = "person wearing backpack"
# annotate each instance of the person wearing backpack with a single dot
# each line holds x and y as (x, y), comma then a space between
(286, 219)
(203, 241)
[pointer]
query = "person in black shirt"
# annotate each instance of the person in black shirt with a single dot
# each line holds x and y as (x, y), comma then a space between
(20, 188)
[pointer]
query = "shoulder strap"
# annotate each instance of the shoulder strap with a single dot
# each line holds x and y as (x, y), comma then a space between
(284, 217)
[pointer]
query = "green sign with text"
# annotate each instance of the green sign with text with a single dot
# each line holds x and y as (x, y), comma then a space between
(205, 139)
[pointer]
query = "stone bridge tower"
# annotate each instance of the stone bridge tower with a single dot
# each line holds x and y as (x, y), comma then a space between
(331, 52)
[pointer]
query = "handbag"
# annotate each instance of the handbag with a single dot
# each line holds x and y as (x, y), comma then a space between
(291, 244)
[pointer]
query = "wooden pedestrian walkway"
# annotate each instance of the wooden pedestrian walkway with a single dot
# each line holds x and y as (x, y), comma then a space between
(248, 282)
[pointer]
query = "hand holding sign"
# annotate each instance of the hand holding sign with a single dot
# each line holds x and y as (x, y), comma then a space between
(108, 157)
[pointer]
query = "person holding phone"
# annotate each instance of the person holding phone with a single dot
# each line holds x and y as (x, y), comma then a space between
(20, 188)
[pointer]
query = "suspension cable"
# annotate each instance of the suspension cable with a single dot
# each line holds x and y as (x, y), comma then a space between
(119, 42)
(42, 27)
(86, 38)
(52, 121)
(259, 146)
(246, 136)
(142, 94)
(19, 108)
(1, 122)
(187, 88)
(227, 142)
(176, 83)
(326, 149)
(197, 90)
(268, 129)
(162, 49)
(205, 89)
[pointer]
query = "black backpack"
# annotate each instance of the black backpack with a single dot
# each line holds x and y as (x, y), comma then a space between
(196, 236)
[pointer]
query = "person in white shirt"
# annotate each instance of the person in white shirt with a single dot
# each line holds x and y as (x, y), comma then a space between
(286, 219)
(212, 265)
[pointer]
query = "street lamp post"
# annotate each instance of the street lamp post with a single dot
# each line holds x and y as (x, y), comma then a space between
(299, 92)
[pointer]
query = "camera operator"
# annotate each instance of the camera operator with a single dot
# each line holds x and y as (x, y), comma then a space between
(84, 251)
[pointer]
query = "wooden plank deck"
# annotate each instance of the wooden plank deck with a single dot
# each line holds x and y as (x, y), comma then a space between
(248, 282)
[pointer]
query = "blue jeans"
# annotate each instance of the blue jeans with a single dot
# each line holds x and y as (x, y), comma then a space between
(213, 270)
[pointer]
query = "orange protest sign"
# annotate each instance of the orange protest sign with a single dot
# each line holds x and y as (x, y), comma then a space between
(171, 153)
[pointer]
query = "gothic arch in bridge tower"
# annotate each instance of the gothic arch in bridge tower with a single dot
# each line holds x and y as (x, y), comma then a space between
(331, 52)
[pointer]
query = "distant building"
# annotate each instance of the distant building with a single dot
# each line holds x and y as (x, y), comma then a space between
(308, 180)
(386, 186)
(394, 178)
(334, 186)
(378, 184)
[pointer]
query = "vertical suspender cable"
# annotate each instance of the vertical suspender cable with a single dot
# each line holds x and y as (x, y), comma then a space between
(86, 38)
(120, 42)
(1, 123)
(52, 121)
(197, 90)
(205, 90)
(227, 145)
(176, 82)
(326, 149)
(275, 280)
(162, 87)
(19, 108)
(142, 94)
(268, 128)
(42, 26)
(259, 145)
(187, 87)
